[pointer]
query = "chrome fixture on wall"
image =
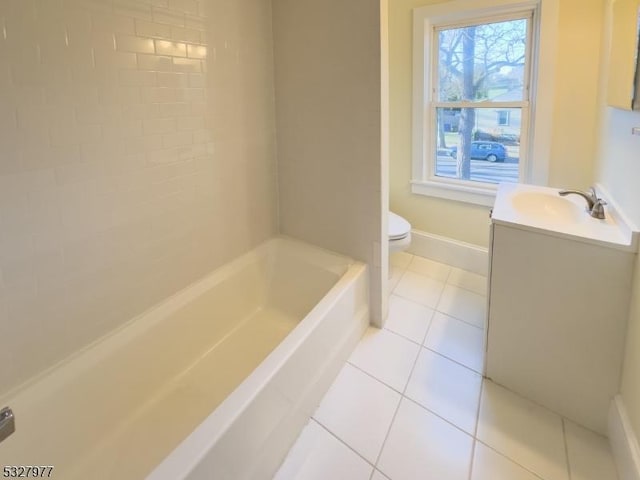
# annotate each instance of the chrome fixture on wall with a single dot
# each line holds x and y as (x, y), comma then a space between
(7, 423)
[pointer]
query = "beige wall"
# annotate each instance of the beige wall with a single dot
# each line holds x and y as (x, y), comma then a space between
(137, 143)
(631, 369)
(328, 97)
(618, 170)
(574, 118)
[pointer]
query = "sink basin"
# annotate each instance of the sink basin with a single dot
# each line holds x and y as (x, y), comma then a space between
(543, 210)
(552, 208)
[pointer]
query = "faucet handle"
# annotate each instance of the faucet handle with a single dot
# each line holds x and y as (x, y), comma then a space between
(593, 193)
(598, 209)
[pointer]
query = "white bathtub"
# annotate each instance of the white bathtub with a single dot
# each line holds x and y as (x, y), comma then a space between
(214, 383)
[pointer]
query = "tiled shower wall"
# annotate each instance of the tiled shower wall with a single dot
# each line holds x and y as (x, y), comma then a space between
(137, 153)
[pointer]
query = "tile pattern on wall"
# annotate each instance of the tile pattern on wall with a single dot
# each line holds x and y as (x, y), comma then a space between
(137, 153)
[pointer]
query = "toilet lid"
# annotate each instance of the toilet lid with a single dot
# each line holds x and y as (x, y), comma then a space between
(398, 227)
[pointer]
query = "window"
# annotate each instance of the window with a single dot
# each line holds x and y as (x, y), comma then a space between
(474, 62)
(503, 118)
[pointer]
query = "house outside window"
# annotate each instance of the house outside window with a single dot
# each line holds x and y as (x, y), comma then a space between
(473, 95)
(503, 117)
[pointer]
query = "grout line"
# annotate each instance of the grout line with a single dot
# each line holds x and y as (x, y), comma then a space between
(393, 292)
(461, 320)
(418, 303)
(510, 459)
(527, 399)
(343, 442)
(395, 414)
(453, 360)
(402, 336)
(446, 280)
(374, 378)
(475, 431)
(386, 437)
(566, 446)
(424, 338)
(439, 416)
(473, 456)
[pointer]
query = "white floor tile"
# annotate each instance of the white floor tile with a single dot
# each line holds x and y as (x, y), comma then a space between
(469, 280)
(408, 318)
(489, 465)
(589, 454)
(422, 446)
(424, 266)
(395, 276)
(447, 389)
(456, 340)
(358, 410)
(385, 356)
(526, 433)
(400, 259)
(379, 476)
(463, 305)
(318, 455)
(419, 288)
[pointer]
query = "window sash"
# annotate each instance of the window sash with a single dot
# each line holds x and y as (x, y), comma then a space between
(430, 145)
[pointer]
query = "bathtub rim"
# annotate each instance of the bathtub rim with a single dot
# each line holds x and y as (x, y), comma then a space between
(61, 373)
(203, 438)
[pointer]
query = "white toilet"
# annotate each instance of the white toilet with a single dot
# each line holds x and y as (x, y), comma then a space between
(399, 233)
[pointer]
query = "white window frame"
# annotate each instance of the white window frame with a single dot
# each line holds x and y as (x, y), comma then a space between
(544, 28)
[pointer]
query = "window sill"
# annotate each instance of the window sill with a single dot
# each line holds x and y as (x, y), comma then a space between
(461, 193)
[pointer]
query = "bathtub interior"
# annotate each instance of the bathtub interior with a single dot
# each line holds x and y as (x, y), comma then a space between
(118, 408)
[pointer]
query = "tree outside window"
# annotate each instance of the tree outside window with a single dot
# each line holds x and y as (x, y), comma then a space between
(480, 69)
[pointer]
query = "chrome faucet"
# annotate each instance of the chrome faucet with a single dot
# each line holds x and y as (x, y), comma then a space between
(595, 205)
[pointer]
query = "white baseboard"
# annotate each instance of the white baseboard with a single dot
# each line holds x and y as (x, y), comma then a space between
(624, 443)
(452, 252)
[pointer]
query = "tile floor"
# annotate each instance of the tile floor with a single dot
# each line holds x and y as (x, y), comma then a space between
(411, 404)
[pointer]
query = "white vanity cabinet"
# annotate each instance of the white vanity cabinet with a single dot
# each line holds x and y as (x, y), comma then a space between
(558, 308)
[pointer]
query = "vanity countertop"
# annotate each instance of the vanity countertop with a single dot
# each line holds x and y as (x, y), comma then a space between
(543, 210)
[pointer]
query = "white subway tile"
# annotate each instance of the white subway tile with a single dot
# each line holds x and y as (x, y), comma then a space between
(196, 80)
(191, 123)
(196, 51)
(143, 144)
(120, 95)
(114, 60)
(177, 139)
(101, 131)
(195, 21)
(129, 43)
(125, 128)
(159, 125)
(186, 6)
(152, 29)
(159, 95)
(155, 62)
(132, 9)
(175, 49)
(173, 80)
(194, 95)
(104, 42)
(175, 109)
(140, 78)
(78, 172)
(141, 111)
(170, 17)
(188, 35)
(109, 23)
(186, 65)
